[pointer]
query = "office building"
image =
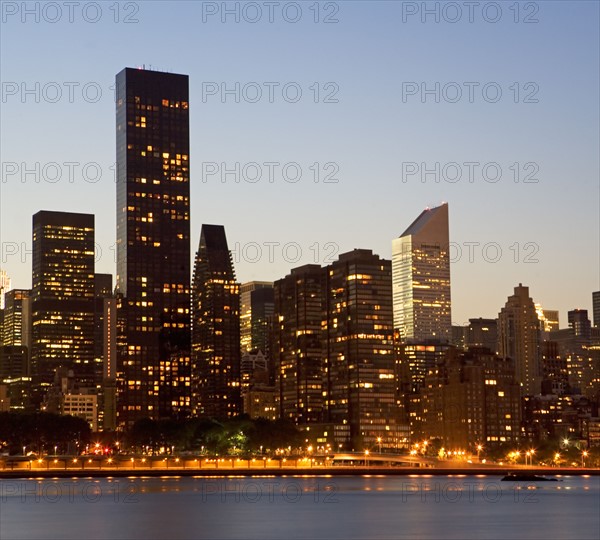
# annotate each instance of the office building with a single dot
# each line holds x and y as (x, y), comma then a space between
(62, 297)
(421, 278)
(153, 244)
(16, 327)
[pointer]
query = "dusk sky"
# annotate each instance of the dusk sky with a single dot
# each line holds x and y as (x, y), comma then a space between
(364, 61)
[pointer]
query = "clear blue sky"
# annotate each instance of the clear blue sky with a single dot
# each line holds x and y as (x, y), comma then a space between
(369, 54)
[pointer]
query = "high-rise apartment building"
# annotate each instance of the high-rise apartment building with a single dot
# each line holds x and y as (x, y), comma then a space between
(596, 308)
(153, 244)
(215, 328)
(297, 351)
(62, 297)
(358, 346)
(414, 360)
(519, 339)
(421, 278)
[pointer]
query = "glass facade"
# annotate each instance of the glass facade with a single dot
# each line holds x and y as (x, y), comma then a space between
(153, 244)
(16, 329)
(62, 298)
(421, 278)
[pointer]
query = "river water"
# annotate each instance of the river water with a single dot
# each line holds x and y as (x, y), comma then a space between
(328, 508)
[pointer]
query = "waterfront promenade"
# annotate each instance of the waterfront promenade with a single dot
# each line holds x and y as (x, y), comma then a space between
(340, 465)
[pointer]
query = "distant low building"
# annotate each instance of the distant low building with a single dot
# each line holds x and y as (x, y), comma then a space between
(83, 406)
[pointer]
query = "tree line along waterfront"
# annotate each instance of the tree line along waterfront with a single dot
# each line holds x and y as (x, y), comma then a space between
(46, 439)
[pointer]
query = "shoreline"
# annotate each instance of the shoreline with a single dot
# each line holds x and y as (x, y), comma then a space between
(291, 471)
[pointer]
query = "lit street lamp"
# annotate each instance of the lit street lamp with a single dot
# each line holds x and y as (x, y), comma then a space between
(556, 458)
(379, 442)
(584, 454)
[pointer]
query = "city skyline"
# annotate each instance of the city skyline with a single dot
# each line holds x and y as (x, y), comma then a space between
(259, 257)
(268, 247)
(531, 217)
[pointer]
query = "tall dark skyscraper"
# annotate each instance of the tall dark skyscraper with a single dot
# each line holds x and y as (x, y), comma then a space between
(216, 328)
(421, 278)
(297, 344)
(153, 244)
(62, 301)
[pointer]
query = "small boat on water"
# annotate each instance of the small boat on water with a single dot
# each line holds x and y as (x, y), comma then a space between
(526, 477)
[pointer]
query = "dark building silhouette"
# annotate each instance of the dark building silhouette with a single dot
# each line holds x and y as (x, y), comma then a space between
(555, 369)
(596, 308)
(581, 325)
(153, 244)
(105, 333)
(215, 328)
(256, 307)
(62, 299)
(482, 333)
